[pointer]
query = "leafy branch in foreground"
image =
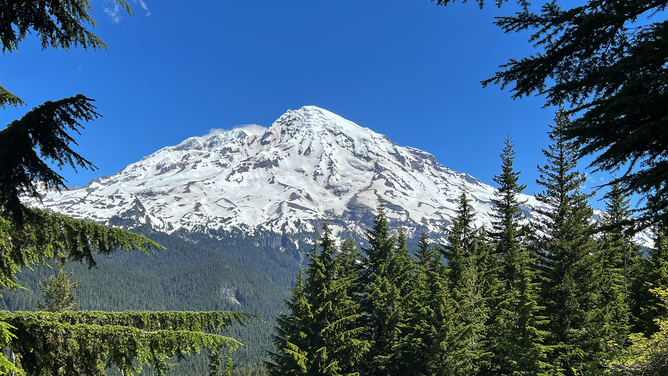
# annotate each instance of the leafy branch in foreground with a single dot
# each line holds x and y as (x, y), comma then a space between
(607, 59)
(46, 236)
(27, 144)
(89, 342)
(647, 356)
(57, 24)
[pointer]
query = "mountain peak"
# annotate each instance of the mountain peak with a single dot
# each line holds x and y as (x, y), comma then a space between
(311, 164)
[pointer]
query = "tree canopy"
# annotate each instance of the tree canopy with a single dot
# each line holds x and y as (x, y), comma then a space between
(608, 60)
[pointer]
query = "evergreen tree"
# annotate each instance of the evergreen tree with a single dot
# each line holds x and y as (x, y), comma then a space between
(320, 335)
(403, 277)
(384, 280)
(465, 280)
(58, 293)
(290, 338)
(517, 340)
(648, 306)
(431, 317)
(616, 260)
(569, 292)
(646, 356)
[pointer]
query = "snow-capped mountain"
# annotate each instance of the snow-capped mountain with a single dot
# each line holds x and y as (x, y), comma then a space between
(310, 164)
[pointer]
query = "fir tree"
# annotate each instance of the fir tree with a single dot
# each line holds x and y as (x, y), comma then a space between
(569, 292)
(320, 336)
(607, 58)
(646, 356)
(517, 340)
(616, 260)
(290, 338)
(385, 278)
(58, 293)
(648, 306)
(465, 279)
(431, 318)
(403, 278)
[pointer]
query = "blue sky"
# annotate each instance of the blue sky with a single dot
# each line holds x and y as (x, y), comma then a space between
(405, 68)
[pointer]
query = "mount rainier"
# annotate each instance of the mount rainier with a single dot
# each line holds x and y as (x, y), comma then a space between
(310, 165)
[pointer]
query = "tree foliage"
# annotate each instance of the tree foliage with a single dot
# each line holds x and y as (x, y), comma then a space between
(549, 303)
(89, 342)
(386, 281)
(467, 258)
(647, 356)
(59, 293)
(321, 334)
(568, 250)
(517, 333)
(57, 23)
(607, 58)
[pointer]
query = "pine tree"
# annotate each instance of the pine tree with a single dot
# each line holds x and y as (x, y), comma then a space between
(58, 293)
(290, 338)
(569, 292)
(403, 277)
(384, 280)
(320, 335)
(465, 280)
(616, 260)
(431, 317)
(648, 306)
(517, 338)
(646, 356)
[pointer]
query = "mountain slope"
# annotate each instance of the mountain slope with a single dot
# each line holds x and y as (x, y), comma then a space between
(309, 165)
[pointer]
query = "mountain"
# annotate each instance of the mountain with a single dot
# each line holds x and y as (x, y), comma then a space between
(310, 165)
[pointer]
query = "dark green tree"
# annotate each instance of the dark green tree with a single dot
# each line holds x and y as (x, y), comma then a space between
(617, 260)
(607, 58)
(466, 272)
(320, 335)
(290, 338)
(403, 278)
(648, 306)
(646, 356)
(431, 316)
(569, 292)
(59, 293)
(386, 278)
(516, 337)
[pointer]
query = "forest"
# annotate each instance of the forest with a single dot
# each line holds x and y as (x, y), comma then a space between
(563, 295)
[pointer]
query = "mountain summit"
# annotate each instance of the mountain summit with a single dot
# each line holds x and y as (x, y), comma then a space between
(311, 164)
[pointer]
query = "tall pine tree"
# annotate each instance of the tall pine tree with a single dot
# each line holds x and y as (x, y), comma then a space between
(569, 293)
(648, 306)
(518, 347)
(616, 261)
(387, 271)
(320, 336)
(465, 280)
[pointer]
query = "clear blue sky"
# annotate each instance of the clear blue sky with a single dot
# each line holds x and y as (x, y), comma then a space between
(405, 68)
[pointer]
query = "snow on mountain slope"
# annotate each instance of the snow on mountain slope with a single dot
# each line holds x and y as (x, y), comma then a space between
(310, 164)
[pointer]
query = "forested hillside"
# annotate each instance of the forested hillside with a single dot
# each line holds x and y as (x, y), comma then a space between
(184, 277)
